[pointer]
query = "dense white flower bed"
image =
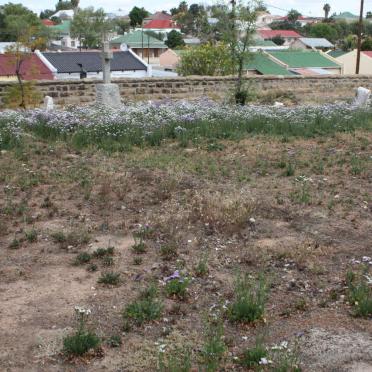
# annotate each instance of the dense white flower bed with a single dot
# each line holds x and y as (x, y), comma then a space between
(147, 117)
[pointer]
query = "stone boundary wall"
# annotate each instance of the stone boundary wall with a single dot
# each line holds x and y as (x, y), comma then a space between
(305, 88)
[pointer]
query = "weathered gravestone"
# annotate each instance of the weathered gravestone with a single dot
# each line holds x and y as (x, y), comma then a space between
(48, 103)
(107, 94)
(362, 96)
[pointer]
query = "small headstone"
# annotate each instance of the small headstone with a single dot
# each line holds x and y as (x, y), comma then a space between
(48, 103)
(108, 95)
(362, 96)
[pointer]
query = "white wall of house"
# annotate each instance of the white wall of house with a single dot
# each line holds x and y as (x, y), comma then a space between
(98, 76)
(349, 62)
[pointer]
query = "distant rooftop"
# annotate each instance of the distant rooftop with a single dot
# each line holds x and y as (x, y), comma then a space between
(314, 42)
(304, 59)
(269, 34)
(160, 24)
(265, 66)
(136, 38)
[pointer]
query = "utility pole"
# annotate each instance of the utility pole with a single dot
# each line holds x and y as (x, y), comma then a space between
(360, 31)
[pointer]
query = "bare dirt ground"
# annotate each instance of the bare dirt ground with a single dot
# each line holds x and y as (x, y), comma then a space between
(298, 211)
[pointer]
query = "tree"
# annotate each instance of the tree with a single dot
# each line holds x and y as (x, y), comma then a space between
(206, 60)
(14, 15)
(137, 15)
(122, 25)
(327, 9)
(64, 5)
(261, 7)
(47, 13)
(174, 39)
(278, 40)
(324, 30)
(88, 26)
(367, 44)
(238, 35)
(28, 40)
(293, 15)
(369, 15)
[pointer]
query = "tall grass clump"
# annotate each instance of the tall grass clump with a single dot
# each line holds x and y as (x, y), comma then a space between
(82, 340)
(360, 293)
(250, 297)
(146, 308)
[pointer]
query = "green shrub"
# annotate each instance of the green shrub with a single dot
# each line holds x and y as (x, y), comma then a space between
(80, 343)
(176, 360)
(82, 258)
(360, 294)
(168, 251)
(15, 243)
(137, 260)
(31, 236)
(252, 357)
(103, 252)
(177, 288)
(139, 248)
(109, 278)
(92, 267)
(146, 308)
(249, 301)
(114, 341)
(214, 346)
(201, 268)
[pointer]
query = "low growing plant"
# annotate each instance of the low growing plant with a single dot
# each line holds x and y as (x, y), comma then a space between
(214, 347)
(83, 339)
(146, 308)
(177, 288)
(176, 360)
(82, 258)
(31, 236)
(249, 299)
(110, 277)
(360, 293)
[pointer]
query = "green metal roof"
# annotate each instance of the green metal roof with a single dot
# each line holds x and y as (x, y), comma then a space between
(134, 40)
(263, 43)
(304, 59)
(63, 27)
(264, 65)
(336, 53)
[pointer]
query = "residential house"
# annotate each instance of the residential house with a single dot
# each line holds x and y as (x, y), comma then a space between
(289, 36)
(170, 59)
(47, 22)
(163, 26)
(67, 14)
(303, 20)
(307, 62)
(291, 63)
(260, 44)
(70, 65)
(62, 38)
(144, 45)
(261, 63)
(264, 19)
(348, 60)
(312, 43)
(159, 16)
(32, 68)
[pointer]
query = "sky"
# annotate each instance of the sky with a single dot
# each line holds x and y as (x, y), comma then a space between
(306, 7)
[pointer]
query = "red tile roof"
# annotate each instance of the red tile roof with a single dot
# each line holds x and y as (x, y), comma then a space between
(32, 68)
(269, 34)
(47, 22)
(161, 23)
(161, 16)
(368, 53)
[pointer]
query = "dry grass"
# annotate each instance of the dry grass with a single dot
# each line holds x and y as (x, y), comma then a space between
(236, 209)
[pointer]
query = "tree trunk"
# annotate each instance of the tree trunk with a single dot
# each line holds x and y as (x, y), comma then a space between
(20, 82)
